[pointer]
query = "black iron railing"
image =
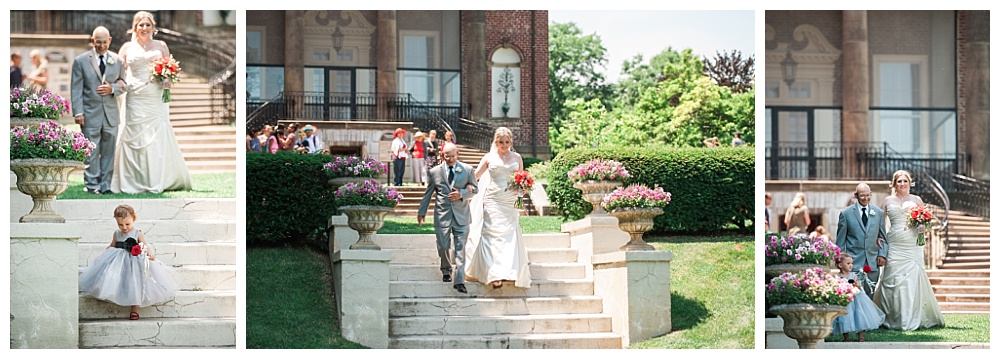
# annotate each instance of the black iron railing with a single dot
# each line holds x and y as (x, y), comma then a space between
(210, 60)
(969, 195)
(847, 160)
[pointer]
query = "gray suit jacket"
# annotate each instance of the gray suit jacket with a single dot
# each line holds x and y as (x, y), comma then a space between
(97, 110)
(445, 210)
(861, 242)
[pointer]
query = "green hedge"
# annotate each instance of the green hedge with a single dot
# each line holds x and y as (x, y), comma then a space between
(710, 187)
(288, 199)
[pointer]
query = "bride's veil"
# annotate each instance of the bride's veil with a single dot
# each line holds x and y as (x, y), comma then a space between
(476, 210)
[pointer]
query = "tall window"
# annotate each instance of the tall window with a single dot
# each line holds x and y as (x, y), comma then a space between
(418, 52)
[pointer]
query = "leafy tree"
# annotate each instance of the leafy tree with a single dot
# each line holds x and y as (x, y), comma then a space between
(731, 70)
(574, 62)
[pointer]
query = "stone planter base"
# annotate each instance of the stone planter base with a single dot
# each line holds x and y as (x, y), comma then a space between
(594, 192)
(366, 220)
(43, 180)
(808, 323)
(636, 221)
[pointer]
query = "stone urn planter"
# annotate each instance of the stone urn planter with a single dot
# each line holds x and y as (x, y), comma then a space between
(366, 220)
(594, 192)
(808, 323)
(636, 221)
(43, 179)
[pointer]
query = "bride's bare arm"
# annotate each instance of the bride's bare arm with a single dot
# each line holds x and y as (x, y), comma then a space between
(482, 166)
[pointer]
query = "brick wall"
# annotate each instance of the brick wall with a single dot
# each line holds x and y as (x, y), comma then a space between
(516, 26)
(961, 35)
(830, 23)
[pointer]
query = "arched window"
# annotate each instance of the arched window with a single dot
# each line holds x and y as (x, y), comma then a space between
(506, 85)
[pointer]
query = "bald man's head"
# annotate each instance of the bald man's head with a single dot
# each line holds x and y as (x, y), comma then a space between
(450, 153)
(863, 193)
(101, 40)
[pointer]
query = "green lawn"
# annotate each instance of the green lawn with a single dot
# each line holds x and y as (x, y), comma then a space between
(973, 328)
(205, 185)
(290, 300)
(712, 303)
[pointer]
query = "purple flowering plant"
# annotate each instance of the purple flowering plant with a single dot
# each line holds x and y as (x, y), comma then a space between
(814, 286)
(599, 169)
(27, 102)
(353, 166)
(48, 140)
(798, 248)
(368, 193)
(636, 196)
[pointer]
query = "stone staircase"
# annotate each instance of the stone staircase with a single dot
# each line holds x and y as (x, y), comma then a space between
(195, 236)
(560, 309)
(962, 281)
(207, 147)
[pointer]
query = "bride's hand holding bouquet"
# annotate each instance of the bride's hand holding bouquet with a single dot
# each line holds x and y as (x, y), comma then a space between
(166, 70)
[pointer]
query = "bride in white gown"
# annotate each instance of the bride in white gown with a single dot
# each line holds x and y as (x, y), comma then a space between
(147, 157)
(494, 250)
(905, 293)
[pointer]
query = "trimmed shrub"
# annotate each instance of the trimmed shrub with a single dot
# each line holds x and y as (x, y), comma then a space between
(710, 187)
(288, 199)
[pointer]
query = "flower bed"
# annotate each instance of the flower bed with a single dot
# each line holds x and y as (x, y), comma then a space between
(636, 196)
(369, 193)
(798, 248)
(814, 286)
(48, 140)
(353, 166)
(599, 169)
(26, 102)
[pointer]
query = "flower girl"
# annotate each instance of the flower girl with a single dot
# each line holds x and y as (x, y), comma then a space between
(127, 273)
(862, 314)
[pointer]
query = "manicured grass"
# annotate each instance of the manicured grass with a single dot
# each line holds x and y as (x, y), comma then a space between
(205, 185)
(289, 300)
(408, 225)
(712, 292)
(961, 328)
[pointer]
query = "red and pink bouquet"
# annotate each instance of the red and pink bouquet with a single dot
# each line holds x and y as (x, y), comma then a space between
(522, 182)
(920, 216)
(166, 69)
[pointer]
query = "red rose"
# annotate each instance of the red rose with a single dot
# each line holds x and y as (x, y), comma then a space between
(136, 250)
(867, 269)
(927, 215)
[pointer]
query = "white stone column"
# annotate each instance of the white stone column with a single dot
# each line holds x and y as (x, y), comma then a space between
(361, 284)
(635, 290)
(340, 235)
(44, 289)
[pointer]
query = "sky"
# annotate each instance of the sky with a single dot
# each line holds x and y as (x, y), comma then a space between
(649, 32)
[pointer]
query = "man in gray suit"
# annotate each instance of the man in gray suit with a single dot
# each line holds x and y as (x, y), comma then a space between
(453, 186)
(95, 83)
(861, 234)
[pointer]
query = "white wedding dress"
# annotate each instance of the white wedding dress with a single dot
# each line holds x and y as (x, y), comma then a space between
(495, 249)
(905, 293)
(147, 157)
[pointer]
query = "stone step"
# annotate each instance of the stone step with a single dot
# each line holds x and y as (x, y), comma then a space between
(957, 273)
(962, 252)
(969, 281)
(150, 209)
(205, 131)
(539, 288)
(965, 307)
(161, 332)
(968, 231)
(157, 232)
(952, 298)
(191, 103)
(410, 272)
(186, 304)
(967, 258)
(214, 147)
(191, 94)
(969, 265)
(968, 245)
(208, 156)
(192, 122)
(961, 289)
(428, 241)
(500, 325)
(429, 256)
(190, 116)
(204, 277)
(211, 166)
(510, 341)
(208, 141)
(409, 307)
(173, 254)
